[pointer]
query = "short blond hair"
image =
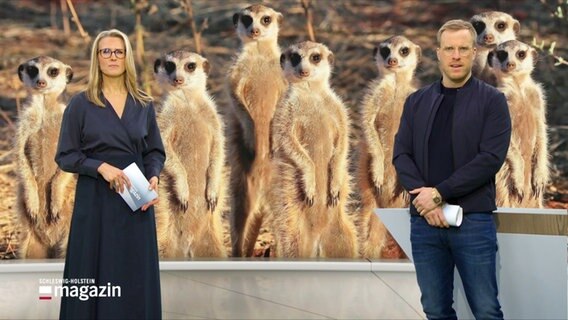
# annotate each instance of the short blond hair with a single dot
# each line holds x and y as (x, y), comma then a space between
(456, 25)
(94, 86)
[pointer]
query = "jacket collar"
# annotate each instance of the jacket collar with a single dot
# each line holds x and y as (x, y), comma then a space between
(468, 85)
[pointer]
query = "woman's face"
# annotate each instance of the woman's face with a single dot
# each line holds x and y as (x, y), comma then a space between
(111, 55)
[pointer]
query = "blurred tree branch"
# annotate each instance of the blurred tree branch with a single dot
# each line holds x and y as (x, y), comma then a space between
(187, 6)
(307, 5)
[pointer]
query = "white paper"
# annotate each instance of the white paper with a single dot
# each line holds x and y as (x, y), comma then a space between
(453, 214)
(138, 194)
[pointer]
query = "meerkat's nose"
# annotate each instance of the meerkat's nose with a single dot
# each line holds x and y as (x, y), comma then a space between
(304, 73)
(178, 81)
(392, 62)
(41, 84)
(488, 38)
(511, 65)
(255, 32)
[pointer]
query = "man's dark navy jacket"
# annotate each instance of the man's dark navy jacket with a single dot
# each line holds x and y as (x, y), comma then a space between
(481, 132)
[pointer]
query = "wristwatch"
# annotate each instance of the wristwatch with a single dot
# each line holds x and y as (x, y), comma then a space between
(436, 197)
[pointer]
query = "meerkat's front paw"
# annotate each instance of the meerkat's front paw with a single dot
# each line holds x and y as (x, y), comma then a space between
(32, 205)
(332, 198)
(309, 194)
(378, 175)
(211, 199)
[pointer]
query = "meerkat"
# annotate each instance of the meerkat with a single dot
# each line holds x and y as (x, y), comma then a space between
(522, 180)
(492, 28)
(45, 192)
(396, 59)
(194, 184)
(256, 85)
(311, 181)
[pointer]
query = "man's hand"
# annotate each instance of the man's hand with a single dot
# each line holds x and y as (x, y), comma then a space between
(435, 218)
(424, 202)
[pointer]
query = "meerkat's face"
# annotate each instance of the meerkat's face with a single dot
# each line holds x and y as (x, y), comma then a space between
(397, 54)
(307, 61)
(45, 75)
(512, 57)
(494, 27)
(257, 23)
(182, 69)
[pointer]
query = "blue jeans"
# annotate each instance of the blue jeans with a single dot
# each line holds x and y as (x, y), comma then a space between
(472, 248)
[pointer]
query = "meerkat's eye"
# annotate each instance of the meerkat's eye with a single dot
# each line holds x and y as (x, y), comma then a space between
(170, 67)
(53, 72)
(191, 66)
(404, 51)
(316, 58)
(295, 58)
(501, 25)
(266, 20)
(502, 55)
(385, 52)
(479, 26)
(521, 54)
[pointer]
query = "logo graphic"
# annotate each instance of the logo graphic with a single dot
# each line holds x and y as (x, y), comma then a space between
(83, 289)
(44, 292)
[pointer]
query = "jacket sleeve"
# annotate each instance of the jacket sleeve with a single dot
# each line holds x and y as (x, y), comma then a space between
(154, 156)
(69, 156)
(403, 154)
(493, 147)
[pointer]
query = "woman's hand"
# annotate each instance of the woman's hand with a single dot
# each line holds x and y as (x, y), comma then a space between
(153, 186)
(115, 177)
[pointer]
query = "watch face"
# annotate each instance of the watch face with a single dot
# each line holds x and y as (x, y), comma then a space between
(437, 200)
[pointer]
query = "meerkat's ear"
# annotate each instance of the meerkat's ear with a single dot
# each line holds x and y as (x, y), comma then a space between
(375, 50)
(20, 71)
(490, 58)
(534, 56)
(516, 27)
(206, 66)
(331, 59)
(236, 17)
(418, 53)
(279, 18)
(157, 64)
(69, 74)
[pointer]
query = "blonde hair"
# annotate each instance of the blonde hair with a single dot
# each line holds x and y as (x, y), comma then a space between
(456, 25)
(94, 86)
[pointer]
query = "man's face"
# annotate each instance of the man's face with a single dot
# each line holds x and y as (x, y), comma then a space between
(455, 56)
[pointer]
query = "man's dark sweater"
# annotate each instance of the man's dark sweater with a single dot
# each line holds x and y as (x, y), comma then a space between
(440, 155)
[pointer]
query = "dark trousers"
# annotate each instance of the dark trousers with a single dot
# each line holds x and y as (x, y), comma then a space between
(472, 248)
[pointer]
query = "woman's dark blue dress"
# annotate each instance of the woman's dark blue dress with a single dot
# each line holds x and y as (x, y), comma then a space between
(108, 242)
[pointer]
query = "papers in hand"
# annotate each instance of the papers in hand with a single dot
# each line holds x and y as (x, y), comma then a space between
(138, 194)
(453, 214)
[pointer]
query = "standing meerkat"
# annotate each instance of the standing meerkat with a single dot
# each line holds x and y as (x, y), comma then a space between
(45, 192)
(492, 27)
(311, 182)
(396, 59)
(256, 84)
(188, 218)
(522, 180)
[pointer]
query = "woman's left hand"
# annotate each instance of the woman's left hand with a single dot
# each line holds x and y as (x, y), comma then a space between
(153, 186)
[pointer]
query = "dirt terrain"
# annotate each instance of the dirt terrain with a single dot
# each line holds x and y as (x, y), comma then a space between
(349, 28)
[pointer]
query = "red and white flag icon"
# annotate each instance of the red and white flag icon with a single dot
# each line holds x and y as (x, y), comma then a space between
(44, 292)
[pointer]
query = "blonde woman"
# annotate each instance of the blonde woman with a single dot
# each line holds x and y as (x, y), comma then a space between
(104, 129)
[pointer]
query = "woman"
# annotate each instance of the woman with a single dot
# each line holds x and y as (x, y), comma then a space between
(104, 129)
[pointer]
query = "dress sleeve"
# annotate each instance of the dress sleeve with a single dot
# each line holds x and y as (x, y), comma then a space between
(69, 156)
(154, 155)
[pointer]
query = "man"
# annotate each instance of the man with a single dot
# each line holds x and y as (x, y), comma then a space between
(452, 140)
